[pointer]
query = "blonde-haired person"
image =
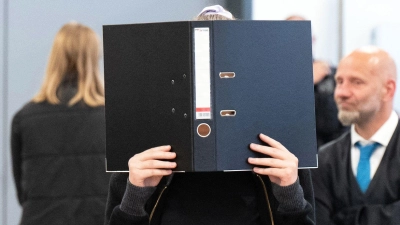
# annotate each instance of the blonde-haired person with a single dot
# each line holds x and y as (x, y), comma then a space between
(74, 57)
(58, 138)
(150, 194)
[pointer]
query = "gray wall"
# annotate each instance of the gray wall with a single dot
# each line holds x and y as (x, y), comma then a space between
(32, 25)
(3, 112)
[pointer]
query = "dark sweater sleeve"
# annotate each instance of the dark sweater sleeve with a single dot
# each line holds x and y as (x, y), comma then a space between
(135, 198)
(290, 198)
(126, 203)
(296, 202)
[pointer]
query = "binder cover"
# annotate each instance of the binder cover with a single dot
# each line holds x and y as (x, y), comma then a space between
(208, 88)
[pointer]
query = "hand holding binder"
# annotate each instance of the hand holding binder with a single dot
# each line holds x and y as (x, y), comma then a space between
(281, 167)
(148, 167)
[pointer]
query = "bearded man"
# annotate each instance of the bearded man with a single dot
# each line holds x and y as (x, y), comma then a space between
(358, 179)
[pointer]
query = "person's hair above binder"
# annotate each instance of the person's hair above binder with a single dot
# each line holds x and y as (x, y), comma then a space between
(215, 12)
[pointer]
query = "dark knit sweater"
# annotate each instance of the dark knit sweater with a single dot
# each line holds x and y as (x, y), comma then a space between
(211, 198)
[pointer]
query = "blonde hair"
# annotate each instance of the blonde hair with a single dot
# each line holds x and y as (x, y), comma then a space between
(76, 52)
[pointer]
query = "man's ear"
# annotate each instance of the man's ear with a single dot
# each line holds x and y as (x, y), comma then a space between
(389, 90)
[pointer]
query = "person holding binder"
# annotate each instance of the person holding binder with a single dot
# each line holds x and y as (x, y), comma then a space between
(276, 192)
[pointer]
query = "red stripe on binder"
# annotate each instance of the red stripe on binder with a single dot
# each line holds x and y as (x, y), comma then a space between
(203, 109)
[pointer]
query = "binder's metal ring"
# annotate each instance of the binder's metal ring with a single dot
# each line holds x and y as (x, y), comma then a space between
(227, 74)
(227, 112)
(203, 130)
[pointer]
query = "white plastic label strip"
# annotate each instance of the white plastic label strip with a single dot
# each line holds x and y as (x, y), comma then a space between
(202, 72)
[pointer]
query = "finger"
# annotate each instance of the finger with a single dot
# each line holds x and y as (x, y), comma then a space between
(269, 162)
(163, 148)
(272, 142)
(155, 164)
(273, 152)
(150, 155)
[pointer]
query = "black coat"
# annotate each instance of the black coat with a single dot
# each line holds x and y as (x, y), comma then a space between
(338, 197)
(328, 126)
(58, 157)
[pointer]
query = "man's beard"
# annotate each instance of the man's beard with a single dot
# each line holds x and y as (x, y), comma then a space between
(348, 117)
(363, 114)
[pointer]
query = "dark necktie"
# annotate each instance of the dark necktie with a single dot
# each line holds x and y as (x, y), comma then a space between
(364, 168)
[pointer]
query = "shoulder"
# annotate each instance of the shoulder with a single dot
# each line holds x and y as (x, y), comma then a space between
(32, 109)
(39, 109)
(331, 157)
(335, 147)
(27, 108)
(24, 111)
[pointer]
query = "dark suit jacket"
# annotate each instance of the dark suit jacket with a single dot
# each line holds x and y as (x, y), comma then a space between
(338, 197)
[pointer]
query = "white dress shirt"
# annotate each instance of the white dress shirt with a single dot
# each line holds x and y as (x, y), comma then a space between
(382, 136)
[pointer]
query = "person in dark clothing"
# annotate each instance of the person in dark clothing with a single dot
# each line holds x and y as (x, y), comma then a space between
(275, 192)
(58, 138)
(357, 181)
(328, 126)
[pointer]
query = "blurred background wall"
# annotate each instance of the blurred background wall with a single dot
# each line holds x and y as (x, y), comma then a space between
(374, 22)
(323, 14)
(28, 28)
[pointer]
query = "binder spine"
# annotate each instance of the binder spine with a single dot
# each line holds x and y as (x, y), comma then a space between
(203, 101)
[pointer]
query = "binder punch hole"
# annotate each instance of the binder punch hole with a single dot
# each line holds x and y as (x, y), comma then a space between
(227, 74)
(203, 130)
(228, 113)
